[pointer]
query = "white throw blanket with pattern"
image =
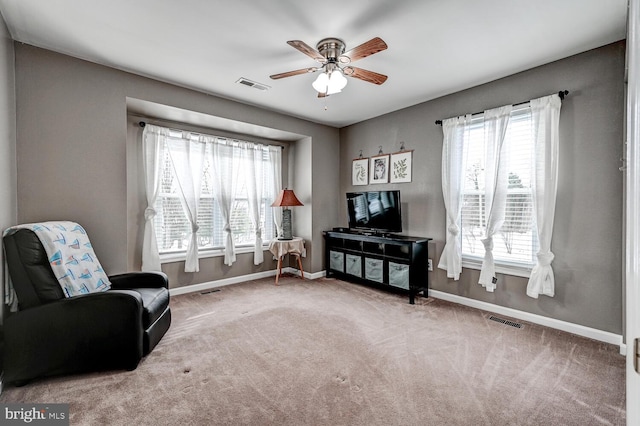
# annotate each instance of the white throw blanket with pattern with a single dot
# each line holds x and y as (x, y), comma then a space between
(71, 256)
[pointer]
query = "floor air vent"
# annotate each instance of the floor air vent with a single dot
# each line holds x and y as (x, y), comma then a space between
(506, 322)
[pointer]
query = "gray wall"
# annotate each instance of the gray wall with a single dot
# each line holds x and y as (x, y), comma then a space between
(587, 239)
(72, 149)
(8, 195)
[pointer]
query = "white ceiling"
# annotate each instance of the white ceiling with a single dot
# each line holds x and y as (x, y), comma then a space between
(436, 47)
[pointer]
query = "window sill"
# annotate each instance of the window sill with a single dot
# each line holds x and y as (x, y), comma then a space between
(182, 256)
(506, 269)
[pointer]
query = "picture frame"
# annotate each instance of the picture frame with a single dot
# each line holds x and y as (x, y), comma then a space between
(379, 166)
(360, 171)
(400, 169)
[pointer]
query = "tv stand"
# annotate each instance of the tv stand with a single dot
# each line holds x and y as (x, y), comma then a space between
(392, 262)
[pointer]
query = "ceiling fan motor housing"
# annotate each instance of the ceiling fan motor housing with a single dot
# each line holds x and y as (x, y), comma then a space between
(331, 48)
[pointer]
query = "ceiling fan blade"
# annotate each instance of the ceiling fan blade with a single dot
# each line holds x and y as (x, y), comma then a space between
(322, 95)
(368, 48)
(292, 73)
(366, 75)
(307, 50)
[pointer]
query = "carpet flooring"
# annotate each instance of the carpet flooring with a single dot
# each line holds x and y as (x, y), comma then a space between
(326, 352)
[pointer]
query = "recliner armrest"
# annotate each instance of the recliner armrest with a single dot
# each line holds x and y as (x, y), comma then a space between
(131, 280)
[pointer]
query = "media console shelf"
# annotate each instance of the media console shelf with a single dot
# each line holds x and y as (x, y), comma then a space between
(385, 261)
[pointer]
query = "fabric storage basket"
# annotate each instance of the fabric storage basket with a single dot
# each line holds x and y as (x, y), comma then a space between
(373, 269)
(354, 265)
(336, 261)
(399, 275)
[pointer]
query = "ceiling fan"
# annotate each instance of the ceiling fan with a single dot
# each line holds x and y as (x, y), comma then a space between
(330, 52)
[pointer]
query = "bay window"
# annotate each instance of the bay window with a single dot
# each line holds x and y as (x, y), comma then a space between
(200, 192)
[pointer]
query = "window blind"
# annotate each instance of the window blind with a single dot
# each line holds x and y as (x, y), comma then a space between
(172, 226)
(517, 240)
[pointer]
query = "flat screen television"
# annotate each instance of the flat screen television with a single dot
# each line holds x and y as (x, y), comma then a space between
(375, 211)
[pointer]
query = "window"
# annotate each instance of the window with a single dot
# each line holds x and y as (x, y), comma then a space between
(516, 151)
(173, 229)
(516, 244)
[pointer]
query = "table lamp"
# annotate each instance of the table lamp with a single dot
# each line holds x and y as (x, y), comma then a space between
(286, 198)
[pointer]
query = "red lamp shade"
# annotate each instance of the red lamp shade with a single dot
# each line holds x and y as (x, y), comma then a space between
(286, 198)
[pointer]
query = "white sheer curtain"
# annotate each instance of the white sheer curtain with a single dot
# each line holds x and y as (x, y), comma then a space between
(253, 155)
(546, 119)
(187, 155)
(275, 155)
(153, 150)
(225, 160)
(455, 131)
(496, 184)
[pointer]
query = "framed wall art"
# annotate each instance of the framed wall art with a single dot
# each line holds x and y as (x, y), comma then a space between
(379, 169)
(400, 169)
(360, 171)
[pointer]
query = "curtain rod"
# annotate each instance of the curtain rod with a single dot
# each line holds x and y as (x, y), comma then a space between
(143, 125)
(561, 93)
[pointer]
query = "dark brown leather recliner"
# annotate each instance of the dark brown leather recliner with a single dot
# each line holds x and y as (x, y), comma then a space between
(53, 335)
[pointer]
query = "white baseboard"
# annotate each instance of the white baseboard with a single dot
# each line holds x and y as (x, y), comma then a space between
(580, 330)
(243, 278)
(315, 275)
(220, 283)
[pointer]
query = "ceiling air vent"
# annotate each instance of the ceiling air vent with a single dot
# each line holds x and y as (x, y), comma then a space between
(253, 84)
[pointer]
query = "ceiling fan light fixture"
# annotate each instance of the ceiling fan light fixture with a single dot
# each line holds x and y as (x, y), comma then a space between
(321, 83)
(330, 83)
(337, 82)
